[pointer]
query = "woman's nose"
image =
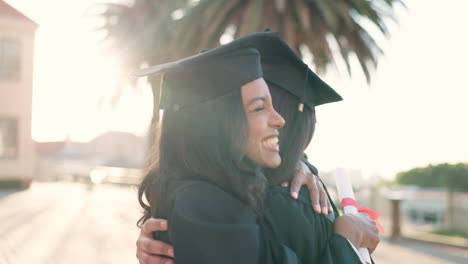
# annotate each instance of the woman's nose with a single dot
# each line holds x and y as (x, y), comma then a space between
(277, 120)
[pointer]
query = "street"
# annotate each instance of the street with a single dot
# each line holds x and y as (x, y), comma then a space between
(67, 223)
(55, 223)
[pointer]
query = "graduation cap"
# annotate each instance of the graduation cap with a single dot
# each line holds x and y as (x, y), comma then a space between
(216, 72)
(282, 67)
(206, 76)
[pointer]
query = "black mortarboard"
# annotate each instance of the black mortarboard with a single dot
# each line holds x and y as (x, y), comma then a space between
(215, 72)
(281, 66)
(206, 76)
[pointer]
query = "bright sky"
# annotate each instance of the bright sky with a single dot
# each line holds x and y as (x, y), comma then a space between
(414, 112)
(72, 73)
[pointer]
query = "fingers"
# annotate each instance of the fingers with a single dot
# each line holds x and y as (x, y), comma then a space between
(296, 183)
(373, 244)
(318, 195)
(324, 203)
(154, 247)
(371, 225)
(371, 236)
(314, 193)
(148, 248)
(350, 227)
(359, 230)
(371, 241)
(145, 258)
(153, 224)
(364, 216)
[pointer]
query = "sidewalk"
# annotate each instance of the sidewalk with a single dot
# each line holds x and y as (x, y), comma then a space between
(416, 233)
(58, 223)
(437, 239)
(416, 252)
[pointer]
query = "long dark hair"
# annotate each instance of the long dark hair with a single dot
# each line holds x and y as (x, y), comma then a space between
(295, 136)
(203, 142)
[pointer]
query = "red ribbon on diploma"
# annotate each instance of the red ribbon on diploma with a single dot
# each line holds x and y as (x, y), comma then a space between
(372, 214)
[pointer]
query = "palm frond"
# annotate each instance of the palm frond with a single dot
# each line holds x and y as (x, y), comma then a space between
(145, 31)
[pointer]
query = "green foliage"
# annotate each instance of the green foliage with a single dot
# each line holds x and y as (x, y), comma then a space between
(385, 182)
(11, 184)
(148, 31)
(452, 233)
(451, 176)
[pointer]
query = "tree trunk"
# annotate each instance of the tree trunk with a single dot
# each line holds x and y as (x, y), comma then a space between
(448, 221)
(396, 220)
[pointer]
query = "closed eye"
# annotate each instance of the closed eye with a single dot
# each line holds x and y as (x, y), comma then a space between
(260, 108)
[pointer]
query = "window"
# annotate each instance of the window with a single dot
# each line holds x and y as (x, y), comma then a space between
(430, 217)
(10, 65)
(414, 215)
(8, 138)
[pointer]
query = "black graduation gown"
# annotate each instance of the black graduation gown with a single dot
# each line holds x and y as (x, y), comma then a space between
(296, 226)
(209, 225)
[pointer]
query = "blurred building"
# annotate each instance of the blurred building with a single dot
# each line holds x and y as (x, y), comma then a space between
(16, 71)
(117, 155)
(426, 206)
(117, 149)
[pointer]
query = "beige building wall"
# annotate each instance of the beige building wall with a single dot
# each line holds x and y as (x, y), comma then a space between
(460, 211)
(16, 99)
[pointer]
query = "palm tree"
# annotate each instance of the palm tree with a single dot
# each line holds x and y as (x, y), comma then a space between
(156, 31)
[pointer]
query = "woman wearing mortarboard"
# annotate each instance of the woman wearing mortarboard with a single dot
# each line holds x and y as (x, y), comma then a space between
(220, 138)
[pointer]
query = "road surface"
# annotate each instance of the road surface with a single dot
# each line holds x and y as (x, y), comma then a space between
(68, 223)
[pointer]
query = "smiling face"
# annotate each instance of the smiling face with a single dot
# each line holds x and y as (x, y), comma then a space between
(263, 124)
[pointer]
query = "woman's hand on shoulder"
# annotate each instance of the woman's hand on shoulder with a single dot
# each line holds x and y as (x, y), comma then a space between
(318, 195)
(359, 229)
(150, 251)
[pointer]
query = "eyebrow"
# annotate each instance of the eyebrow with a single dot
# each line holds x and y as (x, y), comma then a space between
(259, 98)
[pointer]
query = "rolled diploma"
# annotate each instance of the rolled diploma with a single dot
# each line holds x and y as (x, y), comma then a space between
(345, 190)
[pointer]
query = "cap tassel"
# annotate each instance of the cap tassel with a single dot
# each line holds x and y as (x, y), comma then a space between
(300, 108)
